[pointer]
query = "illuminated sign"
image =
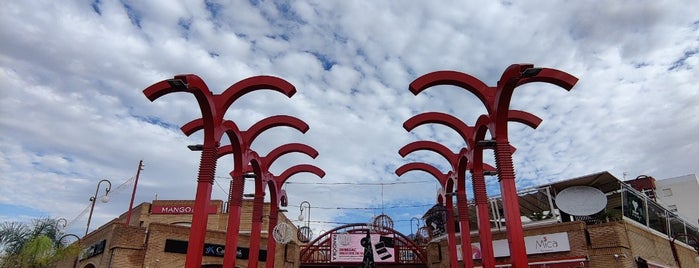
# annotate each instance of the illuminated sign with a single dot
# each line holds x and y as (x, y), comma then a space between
(179, 209)
(348, 248)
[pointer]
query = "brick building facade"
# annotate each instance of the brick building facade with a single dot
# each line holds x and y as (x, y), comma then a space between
(615, 237)
(157, 235)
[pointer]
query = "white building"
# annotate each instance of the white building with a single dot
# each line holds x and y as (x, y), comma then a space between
(681, 195)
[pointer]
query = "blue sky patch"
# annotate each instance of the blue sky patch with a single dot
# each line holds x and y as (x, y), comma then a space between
(134, 15)
(8, 211)
(213, 8)
(96, 7)
(681, 61)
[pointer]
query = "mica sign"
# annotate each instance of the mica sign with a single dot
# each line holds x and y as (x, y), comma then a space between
(537, 244)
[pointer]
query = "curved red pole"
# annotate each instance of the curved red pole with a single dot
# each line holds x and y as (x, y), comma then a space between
(275, 183)
(480, 194)
(235, 208)
(466, 81)
(242, 87)
(441, 177)
(462, 208)
(207, 165)
(278, 182)
(439, 118)
(213, 108)
(274, 121)
(438, 148)
(513, 76)
(497, 101)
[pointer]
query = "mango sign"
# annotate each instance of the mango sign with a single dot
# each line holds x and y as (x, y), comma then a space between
(212, 209)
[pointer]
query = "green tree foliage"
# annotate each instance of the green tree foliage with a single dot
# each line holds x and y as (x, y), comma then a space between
(33, 246)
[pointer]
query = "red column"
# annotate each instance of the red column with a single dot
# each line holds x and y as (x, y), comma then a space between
(462, 206)
(197, 233)
(256, 229)
(508, 190)
(271, 243)
(451, 232)
(485, 235)
(235, 206)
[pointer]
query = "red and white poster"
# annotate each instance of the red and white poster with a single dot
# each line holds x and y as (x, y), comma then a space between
(348, 248)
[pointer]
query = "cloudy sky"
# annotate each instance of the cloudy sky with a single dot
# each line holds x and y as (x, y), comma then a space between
(72, 111)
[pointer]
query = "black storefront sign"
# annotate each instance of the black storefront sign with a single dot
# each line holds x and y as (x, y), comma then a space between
(635, 207)
(93, 250)
(179, 246)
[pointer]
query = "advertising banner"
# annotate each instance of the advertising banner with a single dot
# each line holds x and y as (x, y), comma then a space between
(348, 248)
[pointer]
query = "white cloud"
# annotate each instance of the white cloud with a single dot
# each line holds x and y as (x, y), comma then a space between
(72, 109)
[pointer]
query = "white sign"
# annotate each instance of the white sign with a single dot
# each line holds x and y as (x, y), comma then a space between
(546, 243)
(348, 248)
(537, 244)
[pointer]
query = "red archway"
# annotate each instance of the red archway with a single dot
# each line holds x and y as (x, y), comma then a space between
(406, 253)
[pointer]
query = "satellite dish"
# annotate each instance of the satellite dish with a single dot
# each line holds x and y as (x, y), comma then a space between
(581, 200)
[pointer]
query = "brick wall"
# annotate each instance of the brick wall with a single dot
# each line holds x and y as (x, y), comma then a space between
(142, 243)
(126, 247)
(606, 240)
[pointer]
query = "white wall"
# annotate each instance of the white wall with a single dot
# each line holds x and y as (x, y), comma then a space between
(681, 192)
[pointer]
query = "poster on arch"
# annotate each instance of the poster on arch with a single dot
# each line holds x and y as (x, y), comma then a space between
(347, 247)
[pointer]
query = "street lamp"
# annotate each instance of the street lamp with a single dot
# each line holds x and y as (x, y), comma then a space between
(674, 249)
(58, 244)
(66, 235)
(61, 224)
(417, 224)
(304, 233)
(93, 198)
(301, 217)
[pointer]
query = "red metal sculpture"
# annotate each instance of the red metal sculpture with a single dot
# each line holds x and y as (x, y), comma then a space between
(277, 194)
(446, 181)
(462, 162)
(497, 100)
(274, 183)
(213, 108)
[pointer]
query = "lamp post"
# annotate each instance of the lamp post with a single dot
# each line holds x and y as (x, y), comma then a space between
(301, 217)
(417, 225)
(305, 233)
(674, 249)
(58, 244)
(133, 194)
(93, 198)
(61, 224)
